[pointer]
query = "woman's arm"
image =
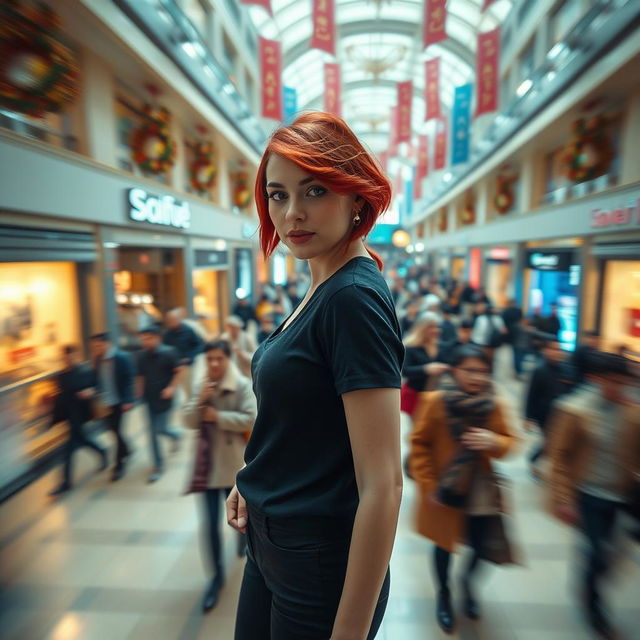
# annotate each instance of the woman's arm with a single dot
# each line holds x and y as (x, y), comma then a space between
(373, 420)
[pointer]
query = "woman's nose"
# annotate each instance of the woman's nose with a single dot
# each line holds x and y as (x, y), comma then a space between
(295, 209)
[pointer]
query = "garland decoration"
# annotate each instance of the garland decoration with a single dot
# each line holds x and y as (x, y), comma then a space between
(202, 170)
(443, 220)
(468, 215)
(152, 147)
(38, 73)
(241, 191)
(590, 153)
(504, 198)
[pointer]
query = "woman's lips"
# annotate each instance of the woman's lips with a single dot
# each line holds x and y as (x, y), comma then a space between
(301, 238)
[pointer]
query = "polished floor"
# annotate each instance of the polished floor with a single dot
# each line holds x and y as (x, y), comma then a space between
(123, 562)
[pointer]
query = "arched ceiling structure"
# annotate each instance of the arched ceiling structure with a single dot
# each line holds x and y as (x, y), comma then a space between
(382, 33)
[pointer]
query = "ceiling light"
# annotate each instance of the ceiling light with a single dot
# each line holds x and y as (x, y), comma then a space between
(448, 177)
(524, 87)
(409, 249)
(419, 247)
(556, 50)
(190, 49)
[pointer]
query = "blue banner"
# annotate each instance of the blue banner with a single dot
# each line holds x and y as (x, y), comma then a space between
(461, 124)
(290, 102)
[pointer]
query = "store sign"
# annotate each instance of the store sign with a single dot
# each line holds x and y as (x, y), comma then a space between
(634, 323)
(550, 260)
(619, 217)
(161, 210)
(500, 253)
(206, 258)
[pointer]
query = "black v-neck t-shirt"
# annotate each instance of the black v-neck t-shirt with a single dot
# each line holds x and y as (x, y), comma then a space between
(347, 337)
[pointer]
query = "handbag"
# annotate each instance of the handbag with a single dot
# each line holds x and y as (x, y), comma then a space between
(496, 546)
(202, 464)
(408, 399)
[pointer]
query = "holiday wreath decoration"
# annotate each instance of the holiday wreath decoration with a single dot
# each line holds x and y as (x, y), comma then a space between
(152, 147)
(38, 73)
(468, 215)
(589, 154)
(504, 198)
(241, 191)
(202, 170)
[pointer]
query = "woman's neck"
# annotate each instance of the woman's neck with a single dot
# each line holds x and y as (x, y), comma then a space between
(324, 266)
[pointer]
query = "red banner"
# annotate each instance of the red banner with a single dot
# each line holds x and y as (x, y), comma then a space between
(332, 88)
(383, 156)
(486, 4)
(324, 26)
(265, 4)
(422, 166)
(405, 101)
(634, 324)
(393, 133)
(435, 19)
(271, 64)
(487, 72)
(440, 153)
(432, 89)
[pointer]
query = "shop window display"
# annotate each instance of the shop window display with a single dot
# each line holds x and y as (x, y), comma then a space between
(620, 326)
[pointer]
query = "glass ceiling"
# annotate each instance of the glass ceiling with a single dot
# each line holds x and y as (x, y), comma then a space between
(389, 33)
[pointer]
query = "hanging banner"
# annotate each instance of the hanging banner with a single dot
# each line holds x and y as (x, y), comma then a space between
(422, 165)
(383, 157)
(265, 4)
(393, 133)
(271, 64)
(332, 88)
(487, 71)
(405, 100)
(434, 22)
(290, 97)
(486, 4)
(324, 26)
(432, 89)
(440, 152)
(461, 124)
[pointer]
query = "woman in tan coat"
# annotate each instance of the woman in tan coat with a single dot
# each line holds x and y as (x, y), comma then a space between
(457, 431)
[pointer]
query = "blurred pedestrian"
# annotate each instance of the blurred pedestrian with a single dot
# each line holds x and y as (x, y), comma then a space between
(424, 360)
(595, 470)
(267, 327)
(242, 309)
(410, 316)
(243, 346)
(521, 345)
(448, 330)
(587, 346)
(457, 431)
(223, 411)
(76, 388)
(159, 373)
(115, 378)
(551, 324)
(511, 316)
(551, 378)
(463, 336)
(188, 345)
(488, 329)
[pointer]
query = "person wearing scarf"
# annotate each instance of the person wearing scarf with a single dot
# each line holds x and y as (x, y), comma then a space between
(457, 431)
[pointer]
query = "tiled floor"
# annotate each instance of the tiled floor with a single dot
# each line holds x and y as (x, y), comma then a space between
(122, 562)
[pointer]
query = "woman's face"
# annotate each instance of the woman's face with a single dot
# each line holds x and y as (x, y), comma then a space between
(308, 217)
(472, 375)
(431, 332)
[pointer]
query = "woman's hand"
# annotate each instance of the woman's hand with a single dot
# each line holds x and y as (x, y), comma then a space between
(479, 439)
(237, 511)
(435, 368)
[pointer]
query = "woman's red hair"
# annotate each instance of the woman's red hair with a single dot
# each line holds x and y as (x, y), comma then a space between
(325, 147)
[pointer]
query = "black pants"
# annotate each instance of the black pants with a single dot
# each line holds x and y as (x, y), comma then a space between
(598, 518)
(212, 500)
(114, 422)
(77, 439)
(294, 577)
(539, 449)
(476, 528)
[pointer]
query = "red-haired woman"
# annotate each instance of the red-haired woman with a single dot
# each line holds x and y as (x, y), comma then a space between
(320, 492)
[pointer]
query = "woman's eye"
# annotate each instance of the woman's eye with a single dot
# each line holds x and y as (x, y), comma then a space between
(277, 195)
(316, 191)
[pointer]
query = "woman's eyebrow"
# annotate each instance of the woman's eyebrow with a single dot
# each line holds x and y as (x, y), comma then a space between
(277, 185)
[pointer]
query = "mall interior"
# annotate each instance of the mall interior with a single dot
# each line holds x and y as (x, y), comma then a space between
(131, 132)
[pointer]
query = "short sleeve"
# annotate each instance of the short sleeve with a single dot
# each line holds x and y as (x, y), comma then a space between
(361, 341)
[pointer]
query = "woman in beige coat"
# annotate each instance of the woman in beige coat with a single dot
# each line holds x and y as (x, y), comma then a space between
(226, 406)
(456, 433)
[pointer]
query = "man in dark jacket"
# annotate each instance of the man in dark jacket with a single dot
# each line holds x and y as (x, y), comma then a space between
(76, 388)
(551, 324)
(244, 310)
(551, 378)
(115, 381)
(589, 345)
(511, 317)
(159, 373)
(186, 342)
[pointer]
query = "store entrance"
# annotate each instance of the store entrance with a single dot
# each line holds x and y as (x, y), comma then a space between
(149, 282)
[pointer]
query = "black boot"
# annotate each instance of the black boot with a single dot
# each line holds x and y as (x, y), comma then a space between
(211, 595)
(444, 611)
(471, 606)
